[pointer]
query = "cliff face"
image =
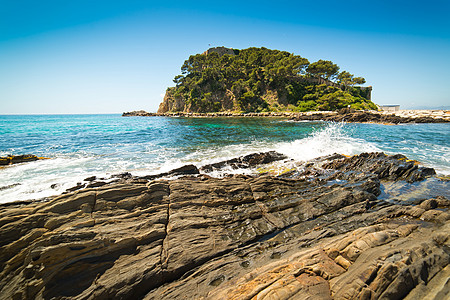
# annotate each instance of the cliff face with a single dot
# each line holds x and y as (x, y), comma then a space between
(315, 232)
(222, 101)
(171, 103)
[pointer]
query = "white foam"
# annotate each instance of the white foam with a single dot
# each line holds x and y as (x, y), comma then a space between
(36, 178)
(331, 139)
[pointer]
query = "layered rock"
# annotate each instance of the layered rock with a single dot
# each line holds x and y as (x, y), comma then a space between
(316, 233)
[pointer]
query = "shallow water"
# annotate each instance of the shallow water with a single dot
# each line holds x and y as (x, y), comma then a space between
(85, 145)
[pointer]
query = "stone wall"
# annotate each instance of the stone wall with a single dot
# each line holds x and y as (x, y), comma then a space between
(220, 50)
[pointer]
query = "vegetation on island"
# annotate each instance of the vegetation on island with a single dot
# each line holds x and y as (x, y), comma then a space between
(259, 80)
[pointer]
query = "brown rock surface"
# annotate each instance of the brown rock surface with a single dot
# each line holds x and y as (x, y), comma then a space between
(308, 236)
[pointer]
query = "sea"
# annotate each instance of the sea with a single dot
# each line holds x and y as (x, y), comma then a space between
(80, 146)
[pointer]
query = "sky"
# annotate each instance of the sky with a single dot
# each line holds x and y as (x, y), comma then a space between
(114, 56)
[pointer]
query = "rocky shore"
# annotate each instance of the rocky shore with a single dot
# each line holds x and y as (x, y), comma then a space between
(400, 117)
(346, 115)
(314, 231)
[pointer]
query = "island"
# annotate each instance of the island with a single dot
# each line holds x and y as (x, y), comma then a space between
(262, 80)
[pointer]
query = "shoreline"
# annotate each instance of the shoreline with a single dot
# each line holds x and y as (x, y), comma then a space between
(346, 115)
(198, 236)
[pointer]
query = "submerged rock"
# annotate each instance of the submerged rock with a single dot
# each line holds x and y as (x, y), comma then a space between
(240, 237)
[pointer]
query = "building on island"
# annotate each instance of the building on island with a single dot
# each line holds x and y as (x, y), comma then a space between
(220, 50)
(390, 107)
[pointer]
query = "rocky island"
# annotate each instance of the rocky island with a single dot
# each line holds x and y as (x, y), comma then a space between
(290, 230)
(259, 82)
(262, 80)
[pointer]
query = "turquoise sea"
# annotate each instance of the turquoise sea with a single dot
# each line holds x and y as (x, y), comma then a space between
(80, 146)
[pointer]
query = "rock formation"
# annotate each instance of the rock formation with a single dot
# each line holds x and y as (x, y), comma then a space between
(137, 113)
(15, 159)
(318, 232)
(349, 115)
(344, 115)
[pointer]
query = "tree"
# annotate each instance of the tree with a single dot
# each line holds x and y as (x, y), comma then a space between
(359, 80)
(324, 69)
(347, 79)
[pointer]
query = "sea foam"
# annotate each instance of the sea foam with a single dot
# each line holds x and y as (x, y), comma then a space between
(334, 138)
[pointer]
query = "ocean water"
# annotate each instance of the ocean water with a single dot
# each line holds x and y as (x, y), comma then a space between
(80, 146)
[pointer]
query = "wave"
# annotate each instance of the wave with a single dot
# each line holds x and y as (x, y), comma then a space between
(334, 138)
(45, 178)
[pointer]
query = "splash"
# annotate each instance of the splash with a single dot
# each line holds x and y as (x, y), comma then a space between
(334, 138)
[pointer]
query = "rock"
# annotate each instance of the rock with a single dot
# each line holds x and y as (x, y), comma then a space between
(76, 187)
(138, 113)
(384, 166)
(15, 159)
(124, 175)
(9, 186)
(184, 170)
(248, 161)
(239, 237)
(350, 115)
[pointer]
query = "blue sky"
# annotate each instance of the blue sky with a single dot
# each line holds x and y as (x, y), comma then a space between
(114, 56)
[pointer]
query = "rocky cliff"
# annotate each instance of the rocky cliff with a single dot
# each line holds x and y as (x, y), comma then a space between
(316, 231)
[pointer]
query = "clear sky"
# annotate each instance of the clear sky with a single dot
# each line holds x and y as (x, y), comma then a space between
(113, 56)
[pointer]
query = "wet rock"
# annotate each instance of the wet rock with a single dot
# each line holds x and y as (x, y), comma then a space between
(239, 237)
(76, 187)
(9, 186)
(124, 175)
(392, 167)
(96, 184)
(182, 171)
(248, 161)
(91, 178)
(15, 159)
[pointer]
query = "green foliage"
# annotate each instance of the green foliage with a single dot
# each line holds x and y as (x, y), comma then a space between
(307, 105)
(348, 79)
(241, 82)
(324, 69)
